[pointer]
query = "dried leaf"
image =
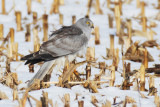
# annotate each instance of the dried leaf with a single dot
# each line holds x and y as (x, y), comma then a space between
(150, 43)
(142, 95)
(107, 104)
(136, 53)
(94, 101)
(3, 95)
(130, 100)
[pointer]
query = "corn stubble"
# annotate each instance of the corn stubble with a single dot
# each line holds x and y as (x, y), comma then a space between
(134, 51)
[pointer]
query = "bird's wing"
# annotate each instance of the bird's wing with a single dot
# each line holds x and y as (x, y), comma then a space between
(65, 41)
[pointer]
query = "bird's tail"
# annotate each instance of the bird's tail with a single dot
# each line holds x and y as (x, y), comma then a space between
(45, 68)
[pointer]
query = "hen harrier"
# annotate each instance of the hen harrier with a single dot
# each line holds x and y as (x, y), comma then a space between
(63, 44)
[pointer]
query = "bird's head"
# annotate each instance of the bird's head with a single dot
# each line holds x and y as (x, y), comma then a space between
(85, 22)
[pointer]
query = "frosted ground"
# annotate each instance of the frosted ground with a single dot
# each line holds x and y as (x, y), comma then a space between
(79, 9)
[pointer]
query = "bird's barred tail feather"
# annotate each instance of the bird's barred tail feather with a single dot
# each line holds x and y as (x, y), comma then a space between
(45, 68)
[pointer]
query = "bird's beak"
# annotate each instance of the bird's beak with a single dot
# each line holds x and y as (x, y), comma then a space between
(92, 26)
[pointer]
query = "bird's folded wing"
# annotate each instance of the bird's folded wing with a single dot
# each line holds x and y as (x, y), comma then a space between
(64, 45)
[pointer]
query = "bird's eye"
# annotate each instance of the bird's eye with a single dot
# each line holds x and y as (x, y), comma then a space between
(88, 23)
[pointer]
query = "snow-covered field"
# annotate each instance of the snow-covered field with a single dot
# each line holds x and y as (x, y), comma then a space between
(79, 9)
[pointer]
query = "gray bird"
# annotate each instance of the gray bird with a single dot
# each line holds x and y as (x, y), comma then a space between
(63, 44)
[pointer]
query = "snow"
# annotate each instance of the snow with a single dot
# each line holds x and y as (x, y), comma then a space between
(78, 8)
